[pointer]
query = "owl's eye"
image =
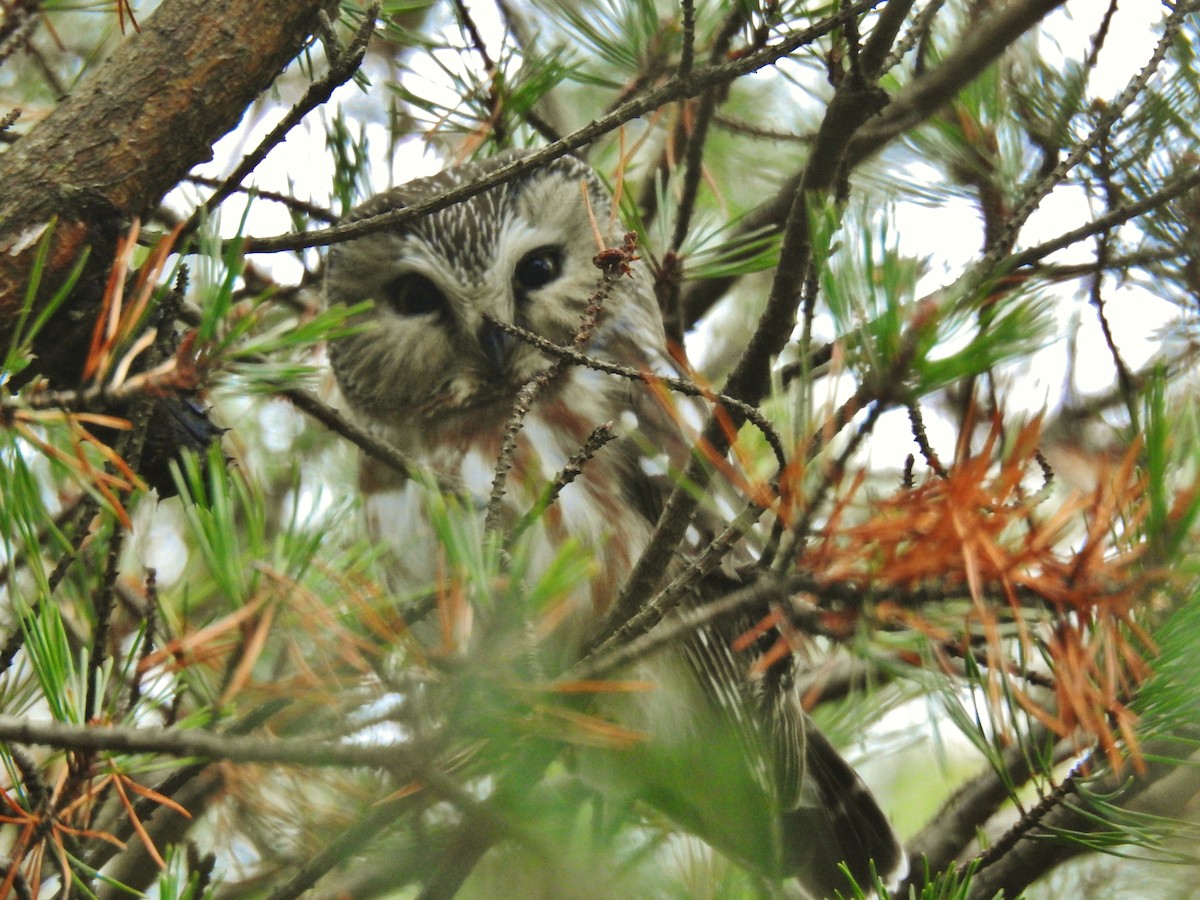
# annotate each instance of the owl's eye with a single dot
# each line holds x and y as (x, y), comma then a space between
(414, 295)
(538, 268)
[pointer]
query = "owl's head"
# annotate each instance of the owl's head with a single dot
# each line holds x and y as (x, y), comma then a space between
(521, 253)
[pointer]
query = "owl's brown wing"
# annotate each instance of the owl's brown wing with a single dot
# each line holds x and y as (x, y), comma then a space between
(836, 818)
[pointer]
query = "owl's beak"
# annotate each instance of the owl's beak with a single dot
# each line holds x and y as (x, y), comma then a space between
(497, 345)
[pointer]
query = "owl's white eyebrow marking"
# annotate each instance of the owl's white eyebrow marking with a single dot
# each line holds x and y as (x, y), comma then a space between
(516, 237)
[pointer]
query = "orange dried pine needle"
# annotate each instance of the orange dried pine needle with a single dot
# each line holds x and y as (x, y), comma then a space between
(980, 534)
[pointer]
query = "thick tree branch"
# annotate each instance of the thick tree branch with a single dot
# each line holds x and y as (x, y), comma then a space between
(1168, 790)
(956, 824)
(982, 44)
(131, 131)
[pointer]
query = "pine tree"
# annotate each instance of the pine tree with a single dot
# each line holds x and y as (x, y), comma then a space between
(973, 481)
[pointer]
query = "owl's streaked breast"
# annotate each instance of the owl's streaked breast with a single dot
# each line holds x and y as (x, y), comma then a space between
(594, 512)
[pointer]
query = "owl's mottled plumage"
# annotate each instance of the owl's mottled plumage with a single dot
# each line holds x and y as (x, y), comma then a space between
(430, 374)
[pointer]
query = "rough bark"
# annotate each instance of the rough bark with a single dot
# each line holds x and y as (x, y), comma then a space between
(128, 133)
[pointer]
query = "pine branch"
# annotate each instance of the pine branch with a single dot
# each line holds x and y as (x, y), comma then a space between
(948, 834)
(404, 762)
(1033, 195)
(1168, 790)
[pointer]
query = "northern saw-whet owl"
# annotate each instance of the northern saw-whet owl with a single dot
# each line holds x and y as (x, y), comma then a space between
(430, 372)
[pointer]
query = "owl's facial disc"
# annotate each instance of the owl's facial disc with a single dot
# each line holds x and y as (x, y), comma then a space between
(457, 308)
(430, 351)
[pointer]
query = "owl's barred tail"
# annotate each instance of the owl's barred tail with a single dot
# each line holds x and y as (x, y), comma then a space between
(843, 823)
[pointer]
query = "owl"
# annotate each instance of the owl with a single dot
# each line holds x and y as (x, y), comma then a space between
(430, 371)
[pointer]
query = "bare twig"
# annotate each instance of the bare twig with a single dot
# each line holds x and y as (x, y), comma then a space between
(103, 609)
(1174, 188)
(572, 470)
(687, 52)
(320, 213)
(698, 135)
(916, 35)
(15, 34)
(342, 66)
(679, 385)
(750, 129)
(917, 422)
(673, 318)
(674, 321)
(495, 101)
(528, 393)
(1104, 169)
(1034, 193)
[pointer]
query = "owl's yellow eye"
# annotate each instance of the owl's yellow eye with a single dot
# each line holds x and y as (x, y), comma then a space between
(414, 295)
(538, 268)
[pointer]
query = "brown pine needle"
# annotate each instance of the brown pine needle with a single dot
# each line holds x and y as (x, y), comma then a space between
(138, 827)
(598, 687)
